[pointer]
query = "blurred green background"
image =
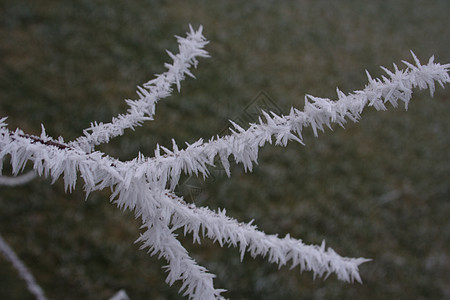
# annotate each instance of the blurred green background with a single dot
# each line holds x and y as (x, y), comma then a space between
(378, 189)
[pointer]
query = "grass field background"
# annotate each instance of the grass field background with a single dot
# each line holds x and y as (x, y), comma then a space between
(378, 189)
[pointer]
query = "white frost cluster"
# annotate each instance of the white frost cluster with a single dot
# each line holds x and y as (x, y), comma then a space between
(145, 185)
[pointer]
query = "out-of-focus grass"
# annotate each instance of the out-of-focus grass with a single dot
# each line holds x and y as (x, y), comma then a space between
(377, 189)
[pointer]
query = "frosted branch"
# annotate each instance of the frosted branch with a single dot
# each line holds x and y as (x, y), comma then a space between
(23, 271)
(150, 93)
(202, 222)
(197, 282)
(243, 144)
(18, 180)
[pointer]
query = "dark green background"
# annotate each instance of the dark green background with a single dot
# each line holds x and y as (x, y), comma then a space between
(378, 189)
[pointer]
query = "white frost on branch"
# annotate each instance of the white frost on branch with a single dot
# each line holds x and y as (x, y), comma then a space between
(150, 93)
(26, 275)
(17, 180)
(145, 184)
(165, 168)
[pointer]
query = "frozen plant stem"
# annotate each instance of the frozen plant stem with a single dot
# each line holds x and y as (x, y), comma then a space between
(145, 185)
(23, 271)
(17, 180)
(143, 109)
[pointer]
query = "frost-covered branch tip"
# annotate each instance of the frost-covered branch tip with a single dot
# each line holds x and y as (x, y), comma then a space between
(145, 184)
(143, 109)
